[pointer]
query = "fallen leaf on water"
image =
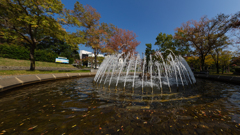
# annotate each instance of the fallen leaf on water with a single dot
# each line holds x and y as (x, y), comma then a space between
(31, 128)
(72, 116)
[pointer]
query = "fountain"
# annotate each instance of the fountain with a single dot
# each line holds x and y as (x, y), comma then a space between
(160, 75)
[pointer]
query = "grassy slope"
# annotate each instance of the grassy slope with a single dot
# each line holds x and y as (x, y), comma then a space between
(26, 63)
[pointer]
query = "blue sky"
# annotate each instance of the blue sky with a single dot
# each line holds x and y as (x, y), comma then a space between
(147, 18)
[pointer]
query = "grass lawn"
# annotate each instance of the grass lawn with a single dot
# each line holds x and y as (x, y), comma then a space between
(26, 72)
(26, 63)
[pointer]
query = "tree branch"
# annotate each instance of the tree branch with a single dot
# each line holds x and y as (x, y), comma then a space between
(22, 35)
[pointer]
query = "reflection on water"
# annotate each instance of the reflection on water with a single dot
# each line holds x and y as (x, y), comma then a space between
(75, 106)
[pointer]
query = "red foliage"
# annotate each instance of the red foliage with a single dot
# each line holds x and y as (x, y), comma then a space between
(123, 41)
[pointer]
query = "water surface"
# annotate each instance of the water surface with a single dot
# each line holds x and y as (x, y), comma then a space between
(76, 106)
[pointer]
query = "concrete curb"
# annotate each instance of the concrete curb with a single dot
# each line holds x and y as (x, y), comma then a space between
(13, 82)
(228, 79)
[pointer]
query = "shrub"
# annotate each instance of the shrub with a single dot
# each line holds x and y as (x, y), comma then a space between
(14, 52)
(20, 52)
(45, 55)
(237, 70)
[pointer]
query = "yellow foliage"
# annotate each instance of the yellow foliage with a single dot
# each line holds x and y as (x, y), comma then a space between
(209, 60)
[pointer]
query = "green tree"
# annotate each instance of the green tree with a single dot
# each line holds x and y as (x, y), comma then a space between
(32, 21)
(167, 41)
(148, 52)
(59, 47)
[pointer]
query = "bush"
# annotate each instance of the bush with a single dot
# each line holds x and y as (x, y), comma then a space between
(237, 70)
(71, 60)
(45, 55)
(14, 52)
(232, 69)
(20, 52)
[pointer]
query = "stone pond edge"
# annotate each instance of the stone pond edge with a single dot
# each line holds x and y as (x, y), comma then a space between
(13, 82)
(9, 83)
(226, 79)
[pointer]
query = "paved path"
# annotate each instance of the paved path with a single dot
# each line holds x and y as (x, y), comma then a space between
(11, 76)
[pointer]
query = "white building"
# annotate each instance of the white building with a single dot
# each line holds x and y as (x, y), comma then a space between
(84, 54)
(120, 60)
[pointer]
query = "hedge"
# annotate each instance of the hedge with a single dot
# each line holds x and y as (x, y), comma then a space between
(20, 52)
(237, 70)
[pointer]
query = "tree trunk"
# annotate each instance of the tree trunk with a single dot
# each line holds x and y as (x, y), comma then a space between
(202, 63)
(32, 58)
(217, 64)
(217, 67)
(95, 53)
(92, 66)
(222, 69)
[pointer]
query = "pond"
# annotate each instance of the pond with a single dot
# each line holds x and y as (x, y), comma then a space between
(76, 106)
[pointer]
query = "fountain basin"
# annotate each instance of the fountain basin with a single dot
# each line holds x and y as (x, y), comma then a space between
(76, 106)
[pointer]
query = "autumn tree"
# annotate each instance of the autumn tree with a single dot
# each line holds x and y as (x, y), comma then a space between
(225, 60)
(204, 35)
(33, 21)
(193, 62)
(209, 62)
(222, 43)
(96, 34)
(123, 41)
(235, 61)
(236, 27)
